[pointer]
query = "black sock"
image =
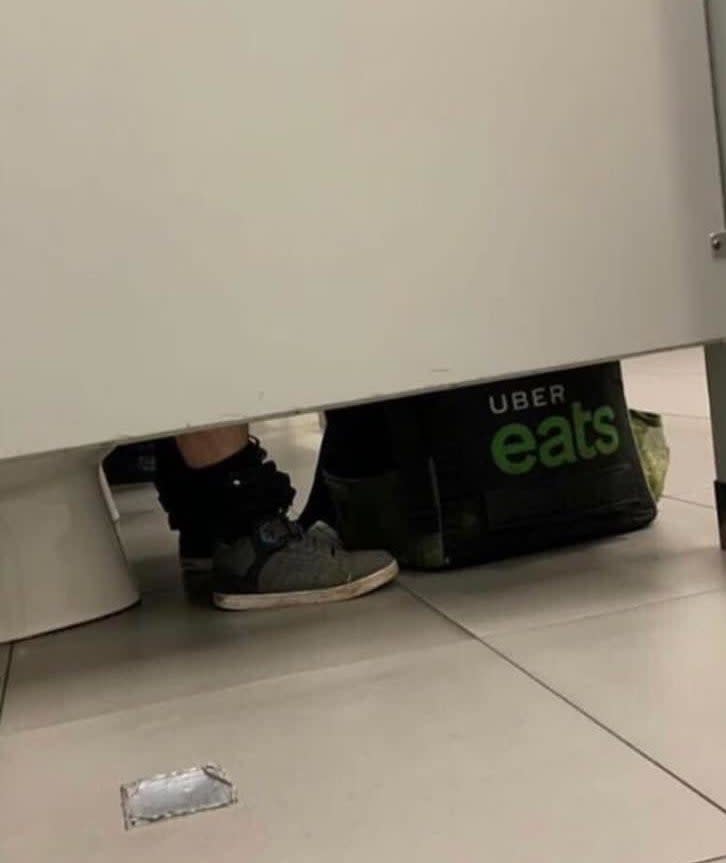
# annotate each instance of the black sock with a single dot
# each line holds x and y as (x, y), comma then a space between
(226, 499)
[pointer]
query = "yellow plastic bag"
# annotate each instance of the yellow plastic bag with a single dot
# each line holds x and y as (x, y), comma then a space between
(655, 454)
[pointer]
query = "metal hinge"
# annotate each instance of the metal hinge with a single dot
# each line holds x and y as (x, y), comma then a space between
(718, 244)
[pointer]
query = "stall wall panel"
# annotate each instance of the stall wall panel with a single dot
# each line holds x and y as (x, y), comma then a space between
(225, 209)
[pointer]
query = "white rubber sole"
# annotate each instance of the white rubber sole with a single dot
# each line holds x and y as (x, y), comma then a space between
(359, 587)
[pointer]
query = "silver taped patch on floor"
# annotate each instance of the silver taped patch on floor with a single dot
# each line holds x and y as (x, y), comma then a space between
(171, 795)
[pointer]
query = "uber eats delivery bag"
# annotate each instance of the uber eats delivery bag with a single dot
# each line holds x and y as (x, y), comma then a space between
(483, 472)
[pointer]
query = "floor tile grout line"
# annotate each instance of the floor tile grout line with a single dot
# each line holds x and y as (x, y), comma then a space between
(582, 618)
(233, 685)
(669, 415)
(689, 502)
(581, 710)
(5, 683)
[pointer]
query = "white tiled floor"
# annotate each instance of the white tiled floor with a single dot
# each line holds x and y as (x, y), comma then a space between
(672, 383)
(654, 674)
(691, 472)
(433, 755)
(168, 649)
(563, 707)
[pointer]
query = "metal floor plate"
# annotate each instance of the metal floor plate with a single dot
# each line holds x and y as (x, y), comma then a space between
(171, 795)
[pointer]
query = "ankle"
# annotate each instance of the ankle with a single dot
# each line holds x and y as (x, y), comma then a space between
(200, 450)
(224, 500)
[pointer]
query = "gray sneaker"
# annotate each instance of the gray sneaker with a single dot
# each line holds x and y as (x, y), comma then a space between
(280, 565)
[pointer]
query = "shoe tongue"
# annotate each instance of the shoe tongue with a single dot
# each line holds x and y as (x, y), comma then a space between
(326, 533)
(274, 532)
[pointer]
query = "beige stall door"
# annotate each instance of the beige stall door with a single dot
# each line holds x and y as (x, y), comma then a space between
(224, 209)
